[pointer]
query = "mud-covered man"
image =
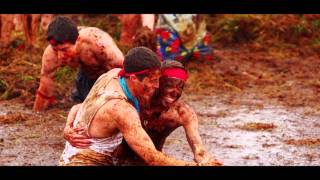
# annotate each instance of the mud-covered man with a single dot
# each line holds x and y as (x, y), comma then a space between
(167, 113)
(90, 49)
(110, 114)
(159, 119)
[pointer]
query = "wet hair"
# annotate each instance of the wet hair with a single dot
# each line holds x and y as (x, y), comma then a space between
(139, 59)
(61, 30)
(145, 37)
(170, 63)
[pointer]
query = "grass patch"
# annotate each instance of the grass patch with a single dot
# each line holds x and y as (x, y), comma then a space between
(64, 74)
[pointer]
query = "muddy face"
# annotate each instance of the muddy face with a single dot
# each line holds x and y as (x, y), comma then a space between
(170, 90)
(148, 86)
(66, 53)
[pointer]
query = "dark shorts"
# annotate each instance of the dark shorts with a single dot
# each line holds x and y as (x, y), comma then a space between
(83, 84)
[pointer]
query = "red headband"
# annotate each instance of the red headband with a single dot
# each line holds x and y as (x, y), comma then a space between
(175, 73)
(122, 73)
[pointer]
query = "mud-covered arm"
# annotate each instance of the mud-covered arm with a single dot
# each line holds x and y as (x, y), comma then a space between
(72, 115)
(76, 137)
(44, 93)
(190, 124)
(129, 124)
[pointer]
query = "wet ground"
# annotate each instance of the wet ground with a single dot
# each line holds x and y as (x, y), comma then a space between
(258, 105)
(27, 138)
(236, 134)
(241, 135)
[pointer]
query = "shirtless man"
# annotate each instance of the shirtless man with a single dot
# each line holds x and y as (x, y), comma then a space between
(89, 48)
(160, 119)
(110, 113)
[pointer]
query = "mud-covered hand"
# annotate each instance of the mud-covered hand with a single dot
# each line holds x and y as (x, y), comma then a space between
(208, 160)
(212, 162)
(215, 162)
(40, 104)
(76, 137)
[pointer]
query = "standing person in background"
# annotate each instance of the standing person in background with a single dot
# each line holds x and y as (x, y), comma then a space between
(31, 27)
(130, 23)
(6, 27)
(183, 37)
(28, 23)
(46, 19)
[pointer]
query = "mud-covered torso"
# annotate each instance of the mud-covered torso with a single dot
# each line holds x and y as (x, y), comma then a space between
(98, 96)
(161, 124)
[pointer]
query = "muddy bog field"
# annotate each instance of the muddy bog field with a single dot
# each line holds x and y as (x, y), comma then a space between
(258, 102)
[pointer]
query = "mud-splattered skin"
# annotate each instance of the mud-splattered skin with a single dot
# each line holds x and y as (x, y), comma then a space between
(117, 114)
(163, 121)
(163, 116)
(94, 51)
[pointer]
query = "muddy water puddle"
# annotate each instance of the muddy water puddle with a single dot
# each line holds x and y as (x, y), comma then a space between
(29, 138)
(242, 136)
(237, 135)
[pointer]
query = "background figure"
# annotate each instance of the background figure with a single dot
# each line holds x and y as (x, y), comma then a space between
(179, 36)
(131, 22)
(183, 37)
(45, 21)
(30, 26)
(6, 25)
(28, 23)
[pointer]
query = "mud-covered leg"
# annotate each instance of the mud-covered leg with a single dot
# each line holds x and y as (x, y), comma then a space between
(7, 27)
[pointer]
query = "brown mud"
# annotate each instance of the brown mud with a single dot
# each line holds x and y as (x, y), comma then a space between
(258, 104)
